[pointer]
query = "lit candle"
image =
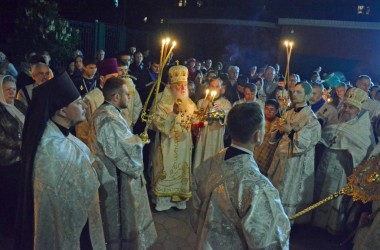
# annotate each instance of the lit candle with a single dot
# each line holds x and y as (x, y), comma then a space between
(174, 43)
(207, 91)
(213, 94)
(162, 51)
(167, 41)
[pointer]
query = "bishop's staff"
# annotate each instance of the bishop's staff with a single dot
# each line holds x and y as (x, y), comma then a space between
(363, 185)
(147, 116)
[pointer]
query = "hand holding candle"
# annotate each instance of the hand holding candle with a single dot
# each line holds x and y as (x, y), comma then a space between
(213, 94)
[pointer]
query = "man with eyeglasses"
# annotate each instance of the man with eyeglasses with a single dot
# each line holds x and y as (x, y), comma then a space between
(40, 74)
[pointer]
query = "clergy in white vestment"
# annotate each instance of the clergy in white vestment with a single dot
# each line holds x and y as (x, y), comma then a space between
(127, 218)
(172, 149)
(211, 138)
(347, 144)
(292, 168)
(235, 206)
(64, 202)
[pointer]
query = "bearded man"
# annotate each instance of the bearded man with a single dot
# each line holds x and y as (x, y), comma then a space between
(347, 144)
(173, 143)
(127, 219)
(292, 168)
(211, 139)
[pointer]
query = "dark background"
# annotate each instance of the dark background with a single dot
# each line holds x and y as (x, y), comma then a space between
(352, 51)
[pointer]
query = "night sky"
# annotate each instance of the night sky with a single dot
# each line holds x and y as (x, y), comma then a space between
(132, 12)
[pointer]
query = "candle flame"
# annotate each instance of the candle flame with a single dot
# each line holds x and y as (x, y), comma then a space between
(286, 43)
(167, 40)
(174, 44)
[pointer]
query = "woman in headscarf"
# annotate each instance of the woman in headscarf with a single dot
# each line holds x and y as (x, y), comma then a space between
(11, 125)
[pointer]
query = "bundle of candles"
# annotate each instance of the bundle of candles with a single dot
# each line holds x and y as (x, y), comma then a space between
(207, 111)
(147, 116)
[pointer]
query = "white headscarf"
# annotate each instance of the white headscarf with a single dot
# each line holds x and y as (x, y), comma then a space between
(10, 107)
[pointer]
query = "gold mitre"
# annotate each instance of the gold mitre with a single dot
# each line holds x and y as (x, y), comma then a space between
(356, 97)
(177, 74)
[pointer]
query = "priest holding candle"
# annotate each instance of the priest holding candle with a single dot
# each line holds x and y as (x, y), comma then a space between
(211, 138)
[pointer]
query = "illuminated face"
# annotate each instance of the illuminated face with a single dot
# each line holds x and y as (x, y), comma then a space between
(373, 91)
(76, 111)
(191, 89)
(363, 84)
(100, 55)
(198, 66)
(299, 96)
(347, 112)
(292, 83)
(9, 91)
(180, 89)
(192, 64)
(132, 50)
(90, 70)
(126, 59)
(219, 66)
(316, 95)
(269, 75)
(138, 58)
(208, 63)
(209, 76)
(198, 79)
(41, 74)
(340, 92)
(155, 67)
(72, 67)
(249, 96)
(79, 63)
(47, 58)
(270, 112)
(215, 85)
(258, 85)
(315, 78)
(122, 70)
(279, 96)
(124, 97)
(233, 74)
(252, 71)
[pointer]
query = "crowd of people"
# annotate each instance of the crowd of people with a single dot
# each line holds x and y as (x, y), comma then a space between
(246, 151)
